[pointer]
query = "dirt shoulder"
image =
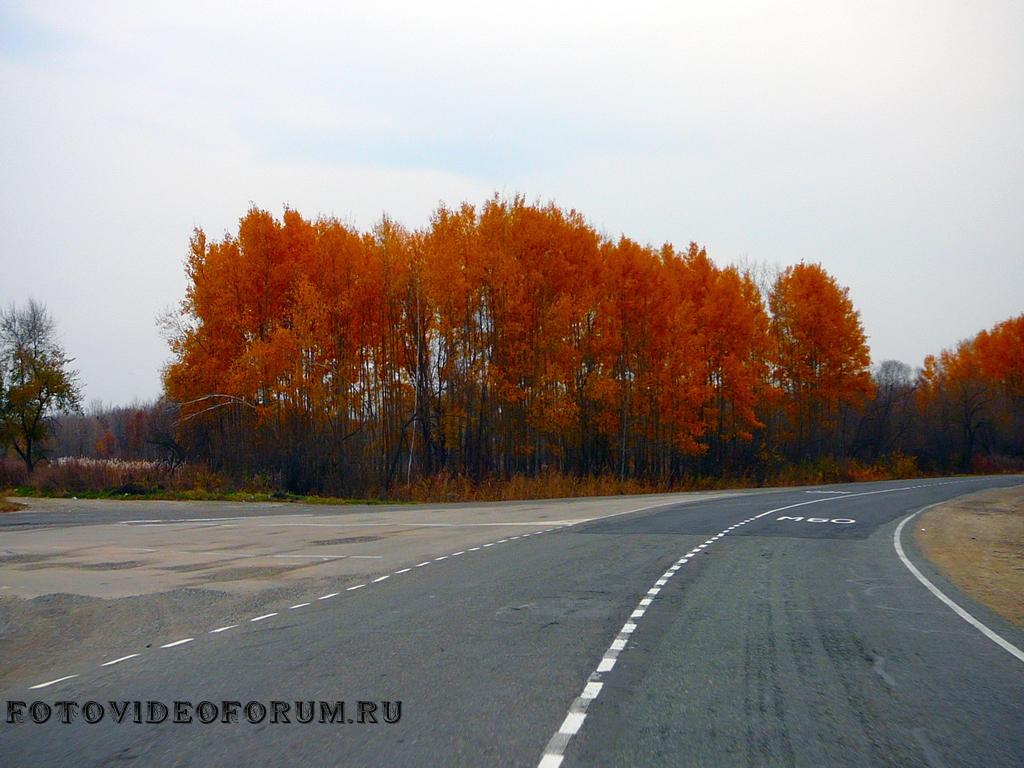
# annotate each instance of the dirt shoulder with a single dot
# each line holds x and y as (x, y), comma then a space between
(978, 542)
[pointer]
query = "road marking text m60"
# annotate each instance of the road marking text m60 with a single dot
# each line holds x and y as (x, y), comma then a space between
(836, 520)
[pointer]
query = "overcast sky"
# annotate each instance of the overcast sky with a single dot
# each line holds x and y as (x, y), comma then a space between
(882, 139)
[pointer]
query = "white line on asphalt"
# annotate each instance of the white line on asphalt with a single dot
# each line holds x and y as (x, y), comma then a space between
(382, 578)
(118, 661)
(51, 682)
(609, 661)
(178, 642)
(554, 752)
(1006, 645)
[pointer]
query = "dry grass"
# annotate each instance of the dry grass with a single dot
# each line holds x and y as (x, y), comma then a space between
(10, 506)
(978, 541)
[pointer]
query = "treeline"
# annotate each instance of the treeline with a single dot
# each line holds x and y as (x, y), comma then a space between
(515, 341)
(141, 431)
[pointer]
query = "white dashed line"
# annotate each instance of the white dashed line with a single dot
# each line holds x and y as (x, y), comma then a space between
(218, 630)
(382, 578)
(51, 682)
(555, 751)
(178, 642)
(118, 661)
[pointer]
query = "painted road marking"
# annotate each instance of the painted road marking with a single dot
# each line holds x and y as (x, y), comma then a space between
(218, 630)
(118, 661)
(836, 520)
(51, 682)
(1006, 645)
(178, 642)
(554, 752)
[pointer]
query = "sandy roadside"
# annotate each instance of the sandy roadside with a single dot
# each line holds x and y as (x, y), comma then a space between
(978, 542)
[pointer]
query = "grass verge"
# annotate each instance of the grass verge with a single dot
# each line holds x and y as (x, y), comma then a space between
(978, 542)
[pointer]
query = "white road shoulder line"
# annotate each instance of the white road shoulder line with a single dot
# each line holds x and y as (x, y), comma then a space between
(554, 753)
(1003, 643)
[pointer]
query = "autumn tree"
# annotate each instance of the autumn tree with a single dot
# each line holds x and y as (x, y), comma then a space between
(35, 380)
(820, 358)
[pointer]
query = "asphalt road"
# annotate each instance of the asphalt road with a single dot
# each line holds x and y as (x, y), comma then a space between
(787, 635)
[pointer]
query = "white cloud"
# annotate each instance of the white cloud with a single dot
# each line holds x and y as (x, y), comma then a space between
(882, 140)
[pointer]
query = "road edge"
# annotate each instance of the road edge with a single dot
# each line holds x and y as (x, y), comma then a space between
(984, 629)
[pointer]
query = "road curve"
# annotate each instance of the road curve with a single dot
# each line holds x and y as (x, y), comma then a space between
(763, 629)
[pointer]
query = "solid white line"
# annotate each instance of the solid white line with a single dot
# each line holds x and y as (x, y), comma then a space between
(178, 642)
(553, 753)
(118, 661)
(1006, 645)
(51, 682)
(222, 629)
(264, 616)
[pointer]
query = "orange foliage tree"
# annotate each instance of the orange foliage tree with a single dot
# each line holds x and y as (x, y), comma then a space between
(509, 338)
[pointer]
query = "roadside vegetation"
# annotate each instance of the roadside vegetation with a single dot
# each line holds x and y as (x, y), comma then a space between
(978, 542)
(508, 350)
